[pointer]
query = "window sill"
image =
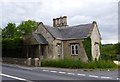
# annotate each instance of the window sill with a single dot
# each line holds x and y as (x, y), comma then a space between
(74, 54)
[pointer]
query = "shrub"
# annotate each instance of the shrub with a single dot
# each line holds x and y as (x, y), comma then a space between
(12, 47)
(78, 64)
(109, 51)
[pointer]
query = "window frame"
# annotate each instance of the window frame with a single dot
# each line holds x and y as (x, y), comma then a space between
(74, 49)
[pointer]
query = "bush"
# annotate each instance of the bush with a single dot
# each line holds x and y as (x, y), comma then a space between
(78, 64)
(12, 47)
(109, 52)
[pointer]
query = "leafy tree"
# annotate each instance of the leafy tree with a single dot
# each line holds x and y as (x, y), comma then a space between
(108, 51)
(26, 27)
(9, 31)
(12, 47)
(118, 48)
(12, 42)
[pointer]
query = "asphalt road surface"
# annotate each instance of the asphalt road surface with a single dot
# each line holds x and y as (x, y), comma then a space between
(32, 74)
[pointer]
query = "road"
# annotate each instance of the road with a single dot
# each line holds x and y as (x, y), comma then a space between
(21, 73)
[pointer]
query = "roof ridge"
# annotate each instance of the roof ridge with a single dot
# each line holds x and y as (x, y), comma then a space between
(76, 25)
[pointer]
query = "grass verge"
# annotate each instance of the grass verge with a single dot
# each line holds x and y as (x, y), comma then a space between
(102, 64)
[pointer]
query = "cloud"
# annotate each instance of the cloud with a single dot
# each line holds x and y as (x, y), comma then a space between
(80, 20)
(78, 12)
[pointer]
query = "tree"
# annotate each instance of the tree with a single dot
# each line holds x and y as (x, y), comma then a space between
(12, 41)
(26, 27)
(109, 51)
(118, 48)
(9, 31)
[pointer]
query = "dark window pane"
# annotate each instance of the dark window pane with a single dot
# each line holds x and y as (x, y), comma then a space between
(76, 51)
(72, 47)
(76, 47)
(72, 51)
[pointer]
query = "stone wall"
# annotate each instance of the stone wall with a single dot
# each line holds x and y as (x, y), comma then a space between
(57, 49)
(44, 32)
(21, 61)
(81, 52)
(95, 41)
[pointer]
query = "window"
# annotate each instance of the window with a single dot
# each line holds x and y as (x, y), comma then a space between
(74, 49)
(96, 48)
(59, 49)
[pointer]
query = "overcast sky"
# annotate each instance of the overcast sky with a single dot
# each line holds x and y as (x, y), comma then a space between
(104, 12)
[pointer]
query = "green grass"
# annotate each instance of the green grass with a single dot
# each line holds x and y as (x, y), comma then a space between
(102, 64)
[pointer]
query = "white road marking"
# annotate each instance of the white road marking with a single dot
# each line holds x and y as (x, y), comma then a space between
(71, 73)
(62, 72)
(81, 74)
(104, 77)
(13, 77)
(53, 71)
(93, 76)
(45, 70)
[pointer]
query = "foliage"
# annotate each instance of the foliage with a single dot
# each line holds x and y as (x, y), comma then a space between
(87, 47)
(9, 31)
(26, 27)
(118, 48)
(78, 64)
(109, 51)
(12, 47)
(12, 44)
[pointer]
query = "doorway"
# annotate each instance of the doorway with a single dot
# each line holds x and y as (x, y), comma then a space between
(42, 50)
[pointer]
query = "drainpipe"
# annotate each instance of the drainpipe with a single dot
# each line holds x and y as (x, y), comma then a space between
(62, 51)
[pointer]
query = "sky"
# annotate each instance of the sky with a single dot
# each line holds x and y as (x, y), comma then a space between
(104, 12)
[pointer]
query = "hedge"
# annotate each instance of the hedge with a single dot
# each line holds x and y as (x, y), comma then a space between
(12, 47)
(102, 64)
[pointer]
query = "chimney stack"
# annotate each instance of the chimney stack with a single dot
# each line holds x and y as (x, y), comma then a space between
(54, 22)
(60, 22)
(65, 20)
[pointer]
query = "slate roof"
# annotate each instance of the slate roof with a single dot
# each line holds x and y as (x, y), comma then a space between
(64, 33)
(39, 38)
(72, 32)
(54, 31)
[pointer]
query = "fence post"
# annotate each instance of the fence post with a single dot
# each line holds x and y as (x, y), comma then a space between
(37, 62)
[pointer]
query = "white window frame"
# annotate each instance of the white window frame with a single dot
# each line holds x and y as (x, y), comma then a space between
(74, 49)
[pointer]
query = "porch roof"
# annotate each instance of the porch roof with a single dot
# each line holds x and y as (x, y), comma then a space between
(39, 38)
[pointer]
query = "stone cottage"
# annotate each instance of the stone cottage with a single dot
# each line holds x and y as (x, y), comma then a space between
(61, 41)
